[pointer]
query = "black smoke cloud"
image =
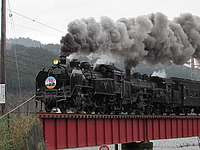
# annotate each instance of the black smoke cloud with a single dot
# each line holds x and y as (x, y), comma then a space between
(152, 39)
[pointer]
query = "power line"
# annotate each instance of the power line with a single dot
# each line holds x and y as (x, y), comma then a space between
(25, 57)
(35, 21)
(21, 72)
(16, 59)
(23, 64)
(36, 64)
(34, 29)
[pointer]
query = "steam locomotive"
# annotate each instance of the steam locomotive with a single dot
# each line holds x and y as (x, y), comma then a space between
(78, 87)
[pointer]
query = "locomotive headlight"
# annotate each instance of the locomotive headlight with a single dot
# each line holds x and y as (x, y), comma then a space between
(55, 62)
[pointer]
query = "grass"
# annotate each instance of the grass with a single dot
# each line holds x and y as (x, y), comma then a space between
(20, 132)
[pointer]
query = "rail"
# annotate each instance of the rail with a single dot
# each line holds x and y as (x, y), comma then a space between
(95, 116)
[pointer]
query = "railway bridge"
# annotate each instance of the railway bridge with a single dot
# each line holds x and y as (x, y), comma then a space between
(64, 131)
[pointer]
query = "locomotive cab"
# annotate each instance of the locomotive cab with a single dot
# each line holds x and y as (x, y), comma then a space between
(163, 99)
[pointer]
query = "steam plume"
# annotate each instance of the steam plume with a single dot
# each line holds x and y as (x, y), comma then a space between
(152, 39)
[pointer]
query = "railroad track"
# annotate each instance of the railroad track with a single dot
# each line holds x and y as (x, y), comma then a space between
(95, 116)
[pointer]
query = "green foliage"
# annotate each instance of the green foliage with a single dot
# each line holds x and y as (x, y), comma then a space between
(27, 42)
(14, 130)
(30, 61)
(171, 71)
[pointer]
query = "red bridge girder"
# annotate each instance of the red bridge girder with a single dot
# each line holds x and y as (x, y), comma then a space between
(63, 131)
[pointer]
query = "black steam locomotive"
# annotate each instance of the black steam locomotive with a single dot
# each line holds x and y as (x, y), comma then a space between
(80, 88)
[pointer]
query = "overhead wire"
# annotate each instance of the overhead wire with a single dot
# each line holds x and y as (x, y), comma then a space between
(14, 33)
(32, 63)
(16, 60)
(21, 72)
(35, 21)
(23, 64)
(10, 15)
(34, 29)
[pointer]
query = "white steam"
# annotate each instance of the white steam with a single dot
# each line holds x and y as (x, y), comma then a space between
(160, 73)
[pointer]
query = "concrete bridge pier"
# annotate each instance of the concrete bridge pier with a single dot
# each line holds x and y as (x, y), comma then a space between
(143, 145)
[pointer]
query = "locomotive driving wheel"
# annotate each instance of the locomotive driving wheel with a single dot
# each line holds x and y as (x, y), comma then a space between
(157, 110)
(77, 110)
(87, 103)
(48, 106)
(102, 110)
(168, 110)
(177, 111)
(128, 108)
(148, 110)
(47, 109)
(101, 105)
(62, 107)
(197, 110)
(77, 106)
(63, 110)
(89, 108)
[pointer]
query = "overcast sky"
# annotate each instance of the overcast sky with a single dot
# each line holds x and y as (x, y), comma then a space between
(58, 13)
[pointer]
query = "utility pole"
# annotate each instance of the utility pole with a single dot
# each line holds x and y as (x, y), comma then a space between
(3, 50)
